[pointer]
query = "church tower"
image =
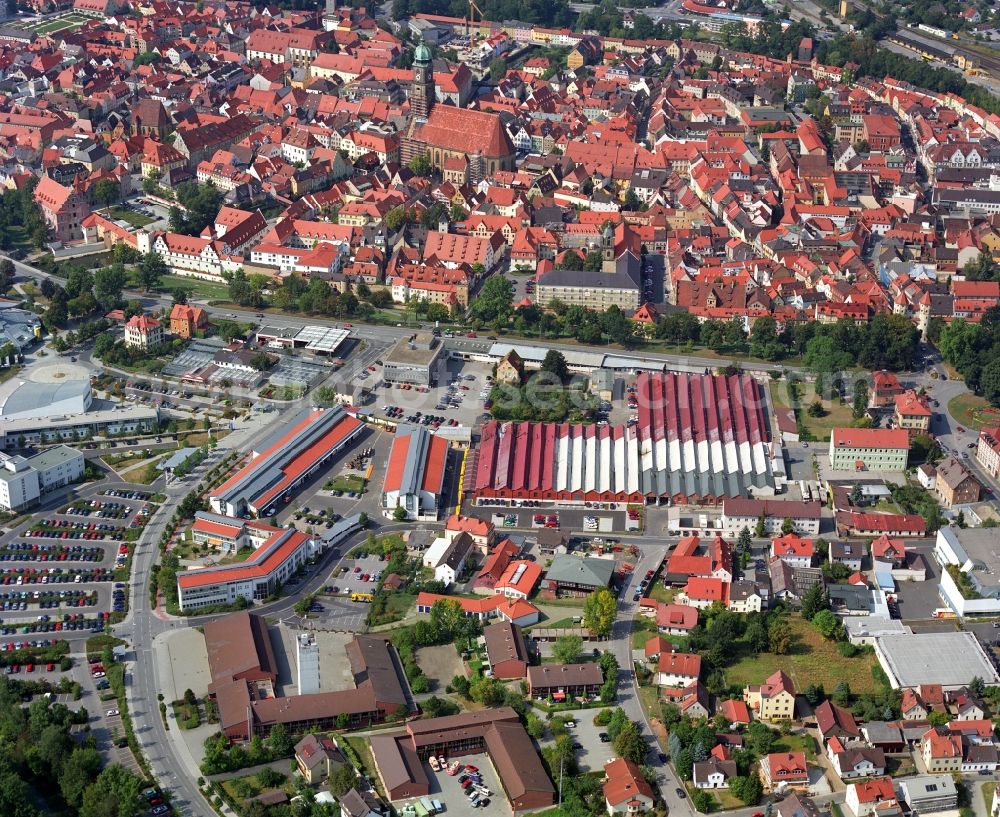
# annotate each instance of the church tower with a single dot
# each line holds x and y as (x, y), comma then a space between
(422, 88)
(330, 17)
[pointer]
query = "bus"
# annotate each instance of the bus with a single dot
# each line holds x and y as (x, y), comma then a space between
(366, 597)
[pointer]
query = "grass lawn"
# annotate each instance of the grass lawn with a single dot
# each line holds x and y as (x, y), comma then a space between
(240, 555)
(988, 790)
(342, 483)
(900, 766)
(130, 217)
(812, 660)
(186, 714)
(145, 474)
(796, 743)
(664, 595)
(818, 428)
(360, 748)
(18, 239)
(9, 372)
(972, 411)
(206, 290)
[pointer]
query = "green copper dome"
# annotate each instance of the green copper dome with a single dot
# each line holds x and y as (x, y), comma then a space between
(422, 54)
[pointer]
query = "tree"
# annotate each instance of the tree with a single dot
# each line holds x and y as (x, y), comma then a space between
(760, 738)
(498, 69)
(630, 744)
(827, 623)
(857, 495)
(989, 382)
(6, 274)
(421, 165)
(108, 285)
(567, 649)
(779, 635)
(744, 542)
(760, 531)
(342, 779)
(107, 191)
(555, 364)
(841, 694)
(397, 216)
(860, 408)
(814, 600)
(747, 789)
(280, 741)
(494, 304)
(151, 270)
(399, 514)
(599, 612)
(262, 361)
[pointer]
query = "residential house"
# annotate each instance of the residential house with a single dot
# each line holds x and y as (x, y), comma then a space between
(846, 553)
(851, 761)
(912, 413)
(676, 619)
(885, 389)
(954, 484)
(564, 682)
(186, 321)
(745, 597)
(510, 369)
(362, 803)
(702, 593)
(834, 721)
(714, 773)
(735, 711)
(773, 700)
(781, 770)
(871, 796)
(941, 751)
(143, 332)
(887, 549)
(625, 789)
(988, 450)
(317, 756)
(793, 549)
(507, 651)
(677, 669)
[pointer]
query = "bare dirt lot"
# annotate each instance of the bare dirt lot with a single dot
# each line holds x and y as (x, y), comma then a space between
(440, 664)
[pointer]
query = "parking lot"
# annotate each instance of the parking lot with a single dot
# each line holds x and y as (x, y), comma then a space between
(591, 752)
(456, 401)
(918, 600)
(449, 790)
(352, 577)
(57, 569)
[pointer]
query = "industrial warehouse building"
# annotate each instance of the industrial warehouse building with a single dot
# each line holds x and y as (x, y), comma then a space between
(951, 659)
(286, 463)
(414, 478)
(244, 673)
(699, 439)
(400, 756)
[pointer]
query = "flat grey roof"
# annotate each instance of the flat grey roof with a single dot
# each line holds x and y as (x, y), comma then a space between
(30, 395)
(421, 354)
(53, 456)
(951, 659)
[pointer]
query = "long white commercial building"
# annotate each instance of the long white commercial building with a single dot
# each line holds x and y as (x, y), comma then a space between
(24, 480)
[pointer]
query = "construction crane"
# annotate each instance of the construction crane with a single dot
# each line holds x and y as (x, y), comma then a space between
(468, 20)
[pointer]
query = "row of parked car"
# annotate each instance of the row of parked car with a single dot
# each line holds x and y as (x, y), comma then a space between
(34, 552)
(53, 575)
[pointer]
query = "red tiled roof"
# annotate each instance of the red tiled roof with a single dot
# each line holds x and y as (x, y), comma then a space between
(871, 438)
